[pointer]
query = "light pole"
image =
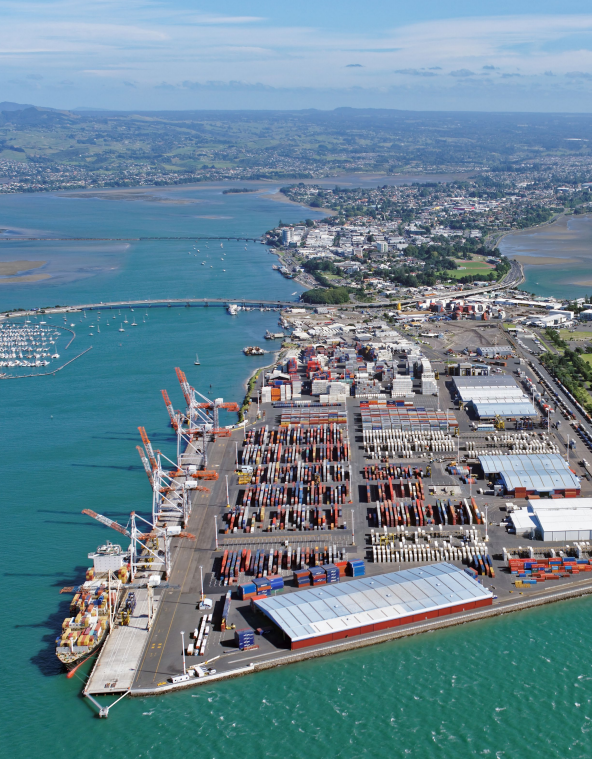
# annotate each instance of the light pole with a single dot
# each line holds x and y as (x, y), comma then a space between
(216, 530)
(353, 536)
(567, 450)
(227, 493)
(201, 598)
(486, 523)
(236, 446)
(183, 644)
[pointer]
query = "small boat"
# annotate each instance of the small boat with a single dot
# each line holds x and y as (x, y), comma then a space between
(197, 361)
(121, 329)
(134, 323)
(203, 263)
(98, 329)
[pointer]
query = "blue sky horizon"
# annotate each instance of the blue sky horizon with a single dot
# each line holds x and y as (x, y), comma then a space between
(179, 55)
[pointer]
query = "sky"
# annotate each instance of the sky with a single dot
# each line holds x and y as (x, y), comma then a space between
(517, 55)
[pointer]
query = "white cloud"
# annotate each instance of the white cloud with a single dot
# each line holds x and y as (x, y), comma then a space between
(161, 42)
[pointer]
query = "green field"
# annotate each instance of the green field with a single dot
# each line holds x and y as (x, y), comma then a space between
(470, 268)
(566, 335)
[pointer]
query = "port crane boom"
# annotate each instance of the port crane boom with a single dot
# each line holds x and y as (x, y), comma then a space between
(146, 465)
(169, 406)
(107, 522)
(148, 446)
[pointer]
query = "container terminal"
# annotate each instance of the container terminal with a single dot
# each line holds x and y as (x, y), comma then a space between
(377, 487)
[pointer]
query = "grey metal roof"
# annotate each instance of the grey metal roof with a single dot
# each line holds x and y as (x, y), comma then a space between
(538, 472)
(488, 381)
(504, 407)
(343, 606)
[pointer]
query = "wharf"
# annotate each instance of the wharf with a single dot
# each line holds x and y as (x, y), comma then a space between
(116, 666)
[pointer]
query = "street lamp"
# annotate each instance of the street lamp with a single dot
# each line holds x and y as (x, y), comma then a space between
(486, 523)
(353, 536)
(216, 530)
(183, 644)
(227, 493)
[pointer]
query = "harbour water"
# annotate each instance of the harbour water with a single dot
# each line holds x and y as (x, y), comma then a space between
(510, 687)
(557, 258)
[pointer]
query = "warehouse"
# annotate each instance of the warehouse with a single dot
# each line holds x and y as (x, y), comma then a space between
(559, 521)
(372, 604)
(493, 396)
(564, 520)
(543, 474)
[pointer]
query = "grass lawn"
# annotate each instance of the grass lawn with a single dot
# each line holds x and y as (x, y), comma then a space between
(566, 335)
(587, 357)
(469, 267)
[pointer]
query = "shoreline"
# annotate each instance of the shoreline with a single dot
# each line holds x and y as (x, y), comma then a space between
(394, 634)
(279, 197)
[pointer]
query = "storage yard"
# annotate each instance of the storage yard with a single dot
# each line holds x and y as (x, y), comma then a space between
(344, 514)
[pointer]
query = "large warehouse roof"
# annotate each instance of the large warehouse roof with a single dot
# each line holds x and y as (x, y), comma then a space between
(497, 385)
(540, 472)
(371, 600)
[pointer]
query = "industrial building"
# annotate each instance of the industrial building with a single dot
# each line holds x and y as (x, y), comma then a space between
(563, 520)
(371, 604)
(493, 396)
(491, 351)
(543, 474)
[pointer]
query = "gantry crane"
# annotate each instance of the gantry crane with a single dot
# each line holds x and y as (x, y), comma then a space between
(170, 488)
(204, 412)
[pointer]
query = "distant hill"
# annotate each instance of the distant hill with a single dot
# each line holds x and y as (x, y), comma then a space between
(6, 105)
(33, 116)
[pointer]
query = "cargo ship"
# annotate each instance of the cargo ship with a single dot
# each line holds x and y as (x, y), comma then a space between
(253, 350)
(93, 606)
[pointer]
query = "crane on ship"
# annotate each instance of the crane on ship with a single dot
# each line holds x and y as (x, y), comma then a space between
(148, 550)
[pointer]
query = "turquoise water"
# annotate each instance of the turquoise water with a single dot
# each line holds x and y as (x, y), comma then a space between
(513, 687)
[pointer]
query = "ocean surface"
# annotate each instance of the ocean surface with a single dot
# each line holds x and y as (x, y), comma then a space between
(519, 686)
(570, 239)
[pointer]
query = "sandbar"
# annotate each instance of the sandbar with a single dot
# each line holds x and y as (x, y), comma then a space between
(23, 280)
(10, 268)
